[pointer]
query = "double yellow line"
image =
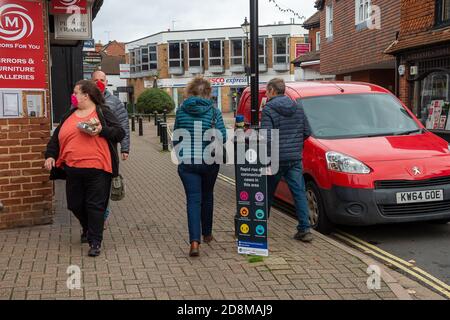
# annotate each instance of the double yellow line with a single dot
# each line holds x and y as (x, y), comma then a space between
(401, 264)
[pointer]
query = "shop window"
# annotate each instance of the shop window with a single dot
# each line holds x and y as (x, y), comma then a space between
(216, 53)
(195, 54)
(435, 101)
(237, 51)
(442, 12)
(262, 45)
(176, 54)
(281, 50)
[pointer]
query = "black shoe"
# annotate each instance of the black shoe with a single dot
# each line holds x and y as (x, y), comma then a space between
(84, 237)
(303, 236)
(94, 251)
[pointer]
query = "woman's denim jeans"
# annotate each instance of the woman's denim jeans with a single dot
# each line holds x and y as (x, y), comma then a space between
(198, 181)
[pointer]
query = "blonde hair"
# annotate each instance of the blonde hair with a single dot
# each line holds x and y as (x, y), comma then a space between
(199, 87)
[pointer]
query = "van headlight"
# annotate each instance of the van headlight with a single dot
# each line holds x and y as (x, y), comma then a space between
(343, 163)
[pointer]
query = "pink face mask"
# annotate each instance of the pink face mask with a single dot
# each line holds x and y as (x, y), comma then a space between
(74, 101)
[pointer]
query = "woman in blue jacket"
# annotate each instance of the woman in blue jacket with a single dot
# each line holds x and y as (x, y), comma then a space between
(198, 169)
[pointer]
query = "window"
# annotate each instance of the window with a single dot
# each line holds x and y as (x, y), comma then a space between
(237, 51)
(144, 59)
(176, 54)
(443, 12)
(318, 41)
(195, 54)
(329, 21)
(362, 11)
(216, 53)
(132, 61)
(153, 57)
(262, 45)
(138, 59)
(280, 50)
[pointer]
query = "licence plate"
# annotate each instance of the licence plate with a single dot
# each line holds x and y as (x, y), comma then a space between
(420, 196)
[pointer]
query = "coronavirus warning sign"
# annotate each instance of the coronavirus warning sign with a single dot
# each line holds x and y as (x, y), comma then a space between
(22, 63)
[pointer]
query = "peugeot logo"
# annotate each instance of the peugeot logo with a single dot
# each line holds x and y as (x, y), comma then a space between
(14, 23)
(416, 171)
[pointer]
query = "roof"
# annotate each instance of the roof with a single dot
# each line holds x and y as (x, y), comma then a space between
(306, 89)
(96, 8)
(120, 44)
(313, 21)
(310, 56)
(111, 65)
(418, 40)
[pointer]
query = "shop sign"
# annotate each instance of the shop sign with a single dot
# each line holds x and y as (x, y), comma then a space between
(302, 49)
(22, 43)
(125, 71)
(68, 6)
(74, 27)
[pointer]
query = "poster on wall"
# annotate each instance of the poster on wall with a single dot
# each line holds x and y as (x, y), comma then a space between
(68, 6)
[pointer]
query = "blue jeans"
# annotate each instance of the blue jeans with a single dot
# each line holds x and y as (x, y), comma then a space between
(198, 181)
(293, 174)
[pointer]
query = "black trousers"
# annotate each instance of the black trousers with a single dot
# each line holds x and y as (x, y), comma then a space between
(88, 192)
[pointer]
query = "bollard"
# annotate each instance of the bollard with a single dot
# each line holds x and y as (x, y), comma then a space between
(156, 116)
(161, 131)
(158, 125)
(141, 128)
(165, 115)
(149, 117)
(165, 135)
(133, 123)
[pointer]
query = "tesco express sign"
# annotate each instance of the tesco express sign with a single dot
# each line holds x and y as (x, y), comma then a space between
(233, 81)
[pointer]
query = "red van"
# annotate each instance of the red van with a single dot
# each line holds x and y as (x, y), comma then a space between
(369, 159)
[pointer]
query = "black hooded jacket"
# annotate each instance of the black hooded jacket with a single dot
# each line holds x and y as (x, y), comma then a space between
(289, 118)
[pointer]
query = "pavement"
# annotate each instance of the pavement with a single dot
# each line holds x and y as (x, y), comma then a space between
(145, 251)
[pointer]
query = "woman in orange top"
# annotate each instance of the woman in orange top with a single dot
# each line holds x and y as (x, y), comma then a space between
(89, 159)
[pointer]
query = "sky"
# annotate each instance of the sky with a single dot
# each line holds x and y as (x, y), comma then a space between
(129, 20)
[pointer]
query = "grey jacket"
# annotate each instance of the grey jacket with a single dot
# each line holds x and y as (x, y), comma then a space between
(118, 108)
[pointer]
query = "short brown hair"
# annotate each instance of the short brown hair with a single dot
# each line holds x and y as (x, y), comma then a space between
(90, 88)
(199, 87)
(278, 85)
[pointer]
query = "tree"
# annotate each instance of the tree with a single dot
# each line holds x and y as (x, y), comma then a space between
(154, 99)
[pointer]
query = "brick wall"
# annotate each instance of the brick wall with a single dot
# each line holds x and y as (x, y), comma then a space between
(312, 38)
(352, 50)
(115, 49)
(417, 15)
(163, 61)
(25, 189)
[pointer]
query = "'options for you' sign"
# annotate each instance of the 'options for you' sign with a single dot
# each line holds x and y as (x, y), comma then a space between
(22, 45)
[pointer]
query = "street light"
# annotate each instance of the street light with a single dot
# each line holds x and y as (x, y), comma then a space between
(246, 28)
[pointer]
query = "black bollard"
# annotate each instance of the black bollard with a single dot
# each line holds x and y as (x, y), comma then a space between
(165, 115)
(161, 131)
(156, 116)
(165, 140)
(141, 128)
(158, 125)
(133, 123)
(149, 117)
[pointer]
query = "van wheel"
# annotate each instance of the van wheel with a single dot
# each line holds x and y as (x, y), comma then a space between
(317, 215)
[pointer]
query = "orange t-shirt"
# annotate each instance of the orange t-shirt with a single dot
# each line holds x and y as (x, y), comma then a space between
(80, 150)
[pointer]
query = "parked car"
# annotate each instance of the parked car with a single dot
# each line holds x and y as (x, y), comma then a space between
(369, 160)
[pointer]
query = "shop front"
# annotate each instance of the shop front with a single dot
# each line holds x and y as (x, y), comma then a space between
(428, 84)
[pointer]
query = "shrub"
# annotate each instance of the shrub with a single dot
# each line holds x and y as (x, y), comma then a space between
(154, 99)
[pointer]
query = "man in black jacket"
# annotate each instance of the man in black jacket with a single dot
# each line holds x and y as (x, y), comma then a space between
(285, 115)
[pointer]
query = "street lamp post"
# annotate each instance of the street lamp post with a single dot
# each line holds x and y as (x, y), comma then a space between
(246, 28)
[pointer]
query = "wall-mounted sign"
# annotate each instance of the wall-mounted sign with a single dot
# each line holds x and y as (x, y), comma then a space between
(89, 46)
(22, 55)
(302, 49)
(74, 27)
(68, 6)
(125, 71)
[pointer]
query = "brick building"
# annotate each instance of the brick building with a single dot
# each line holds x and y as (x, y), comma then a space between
(175, 57)
(423, 53)
(354, 35)
(114, 49)
(26, 100)
(307, 67)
